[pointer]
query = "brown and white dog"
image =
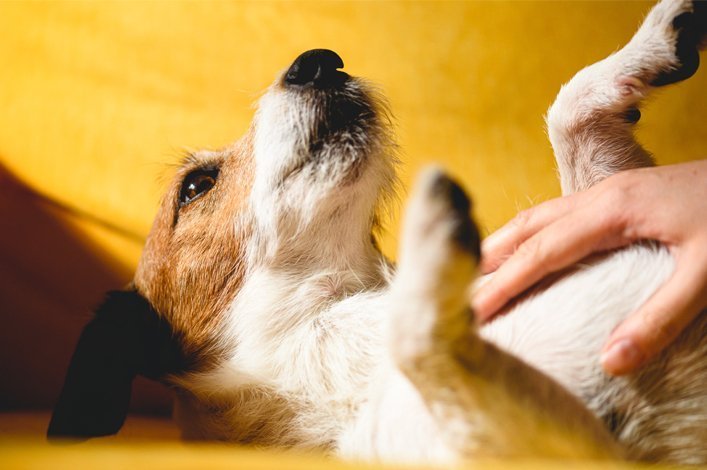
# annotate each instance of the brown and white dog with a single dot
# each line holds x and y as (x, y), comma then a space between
(263, 299)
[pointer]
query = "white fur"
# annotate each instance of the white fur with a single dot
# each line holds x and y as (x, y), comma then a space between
(327, 349)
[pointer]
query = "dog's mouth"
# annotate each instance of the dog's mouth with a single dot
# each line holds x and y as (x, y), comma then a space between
(331, 118)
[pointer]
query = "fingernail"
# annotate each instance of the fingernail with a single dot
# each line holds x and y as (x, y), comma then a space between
(621, 357)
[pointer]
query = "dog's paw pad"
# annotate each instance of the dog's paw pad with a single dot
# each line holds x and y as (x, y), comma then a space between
(691, 27)
(465, 233)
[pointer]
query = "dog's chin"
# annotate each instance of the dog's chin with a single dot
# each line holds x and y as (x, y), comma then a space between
(341, 133)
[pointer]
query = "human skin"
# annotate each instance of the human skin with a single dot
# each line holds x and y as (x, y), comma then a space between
(667, 204)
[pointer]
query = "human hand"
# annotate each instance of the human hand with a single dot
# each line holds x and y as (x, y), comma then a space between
(667, 204)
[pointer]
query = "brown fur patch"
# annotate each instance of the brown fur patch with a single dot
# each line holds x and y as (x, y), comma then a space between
(192, 265)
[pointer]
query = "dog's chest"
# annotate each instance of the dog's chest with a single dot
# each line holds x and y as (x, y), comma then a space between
(301, 355)
(299, 334)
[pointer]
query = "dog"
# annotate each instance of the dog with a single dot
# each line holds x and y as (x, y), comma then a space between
(264, 301)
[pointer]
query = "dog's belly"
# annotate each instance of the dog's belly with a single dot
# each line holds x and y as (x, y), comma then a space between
(560, 329)
(658, 413)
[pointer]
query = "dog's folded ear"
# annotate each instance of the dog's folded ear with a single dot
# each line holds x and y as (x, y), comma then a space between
(126, 338)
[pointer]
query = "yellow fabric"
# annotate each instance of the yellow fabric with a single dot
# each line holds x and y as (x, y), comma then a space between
(98, 99)
(24, 455)
(152, 443)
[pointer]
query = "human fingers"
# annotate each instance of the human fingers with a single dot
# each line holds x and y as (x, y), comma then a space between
(501, 244)
(662, 318)
(551, 249)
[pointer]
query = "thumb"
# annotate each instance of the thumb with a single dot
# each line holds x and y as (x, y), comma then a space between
(661, 319)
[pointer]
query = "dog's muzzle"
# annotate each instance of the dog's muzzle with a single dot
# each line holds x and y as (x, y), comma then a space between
(317, 68)
(327, 116)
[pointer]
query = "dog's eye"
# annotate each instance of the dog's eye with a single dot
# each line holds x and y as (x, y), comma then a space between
(196, 184)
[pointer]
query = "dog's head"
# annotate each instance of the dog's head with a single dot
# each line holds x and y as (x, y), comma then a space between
(302, 186)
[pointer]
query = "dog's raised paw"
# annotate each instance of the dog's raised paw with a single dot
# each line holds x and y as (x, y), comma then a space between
(438, 258)
(439, 237)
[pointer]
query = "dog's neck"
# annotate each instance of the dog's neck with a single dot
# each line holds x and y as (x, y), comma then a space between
(327, 246)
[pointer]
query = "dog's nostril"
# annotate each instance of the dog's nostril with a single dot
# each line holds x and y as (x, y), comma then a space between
(317, 67)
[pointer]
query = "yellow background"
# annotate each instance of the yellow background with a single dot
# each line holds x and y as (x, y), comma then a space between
(98, 99)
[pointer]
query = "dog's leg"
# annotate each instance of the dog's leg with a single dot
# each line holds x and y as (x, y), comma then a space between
(591, 122)
(485, 401)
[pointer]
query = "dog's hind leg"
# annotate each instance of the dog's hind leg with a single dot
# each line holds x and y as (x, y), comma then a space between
(591, 122)
(485, 401)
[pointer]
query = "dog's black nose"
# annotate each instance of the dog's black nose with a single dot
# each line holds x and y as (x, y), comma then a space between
(317, 67)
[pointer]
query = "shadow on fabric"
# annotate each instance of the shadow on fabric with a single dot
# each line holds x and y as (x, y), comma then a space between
(50, 279)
